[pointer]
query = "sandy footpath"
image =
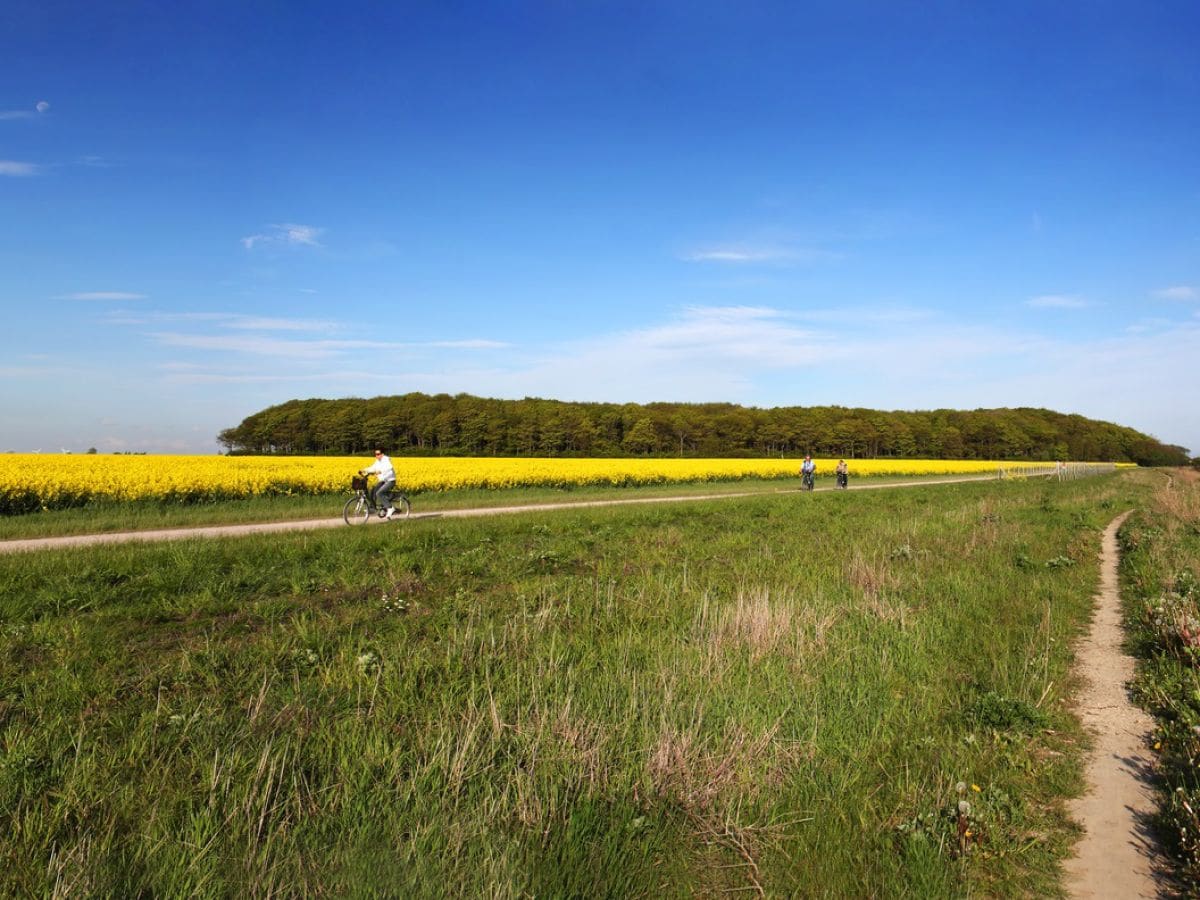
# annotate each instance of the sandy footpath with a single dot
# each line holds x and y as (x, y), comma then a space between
(1116, 856)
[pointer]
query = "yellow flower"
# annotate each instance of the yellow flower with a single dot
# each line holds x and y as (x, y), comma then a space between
(29, 481)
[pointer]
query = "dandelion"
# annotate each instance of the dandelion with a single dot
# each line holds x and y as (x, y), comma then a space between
(396, 605)
(964, 808)
(305, 656)
(961, 787)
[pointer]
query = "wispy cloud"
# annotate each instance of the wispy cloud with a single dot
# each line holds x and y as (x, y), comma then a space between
(15, 169)
(731, 254)
(32, 371)
(285, 235)
(769, 357)
(268, 345)
(191, 374)
(748, 254)
(1178, 292)
(472, 344)
(39, 108)
(268, 323)
(1057, 301)
(255, 345)
(101, 295)
(238, 321)
(753, 354)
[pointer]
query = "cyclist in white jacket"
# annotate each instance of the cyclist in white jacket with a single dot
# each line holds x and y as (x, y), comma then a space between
(386, 474)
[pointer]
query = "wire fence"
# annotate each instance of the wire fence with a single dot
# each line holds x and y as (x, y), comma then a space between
(1067, 471)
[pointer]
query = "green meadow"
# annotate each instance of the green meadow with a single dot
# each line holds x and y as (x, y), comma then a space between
(830, 694)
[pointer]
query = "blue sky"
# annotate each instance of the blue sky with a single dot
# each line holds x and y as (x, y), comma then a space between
(209, 208)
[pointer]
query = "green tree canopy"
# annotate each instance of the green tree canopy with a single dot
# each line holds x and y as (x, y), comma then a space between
(464, 425)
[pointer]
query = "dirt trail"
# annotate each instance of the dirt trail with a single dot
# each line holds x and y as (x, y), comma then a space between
(1116, 857)
(208, 531)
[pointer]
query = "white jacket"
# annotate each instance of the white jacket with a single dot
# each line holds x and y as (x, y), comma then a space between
(382, 467)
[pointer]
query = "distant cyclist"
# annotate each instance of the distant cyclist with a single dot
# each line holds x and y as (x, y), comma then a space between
(843, 474)
(808, 471)
(383, 470)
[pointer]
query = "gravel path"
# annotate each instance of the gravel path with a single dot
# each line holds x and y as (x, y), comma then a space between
(207, 531)
(1116, 856)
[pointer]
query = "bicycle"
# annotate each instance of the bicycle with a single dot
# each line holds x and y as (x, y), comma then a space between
(358, 509)
(808, 480)
(843, 480)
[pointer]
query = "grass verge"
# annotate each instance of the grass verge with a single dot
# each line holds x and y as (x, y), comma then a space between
(1161, 583)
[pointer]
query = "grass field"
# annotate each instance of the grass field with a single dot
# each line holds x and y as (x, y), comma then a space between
(837, 694)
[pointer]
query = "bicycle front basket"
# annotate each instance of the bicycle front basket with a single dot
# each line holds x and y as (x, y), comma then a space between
(358, 483)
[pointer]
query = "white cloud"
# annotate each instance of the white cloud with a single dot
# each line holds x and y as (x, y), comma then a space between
(255, 345)
(750, 354)
(18, 169)
(266, 323)
(747, 254)
(1057, 301)
(471, 344)
(31, 371)
(865, 315)
(262, 345)
(101, 295)
(766, 357)
(221, 320)
(731, 255)
(1178, 292)
(201, 375)
(40, 107)
(287, 235)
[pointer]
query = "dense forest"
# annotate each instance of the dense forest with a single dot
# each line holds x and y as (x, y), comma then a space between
(463, 425)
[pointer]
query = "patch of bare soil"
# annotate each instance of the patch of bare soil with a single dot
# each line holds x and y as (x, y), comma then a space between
(1117, 856)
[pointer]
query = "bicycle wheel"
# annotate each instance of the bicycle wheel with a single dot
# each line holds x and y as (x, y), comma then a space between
(401, 505)
(356, 511)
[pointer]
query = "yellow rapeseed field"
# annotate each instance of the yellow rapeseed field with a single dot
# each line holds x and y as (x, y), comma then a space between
(33, 481)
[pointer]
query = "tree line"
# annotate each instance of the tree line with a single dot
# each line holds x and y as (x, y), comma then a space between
(463, 425)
